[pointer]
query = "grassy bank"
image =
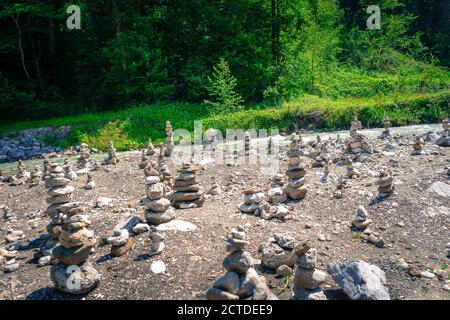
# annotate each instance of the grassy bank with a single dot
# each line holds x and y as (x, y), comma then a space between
(130, 128)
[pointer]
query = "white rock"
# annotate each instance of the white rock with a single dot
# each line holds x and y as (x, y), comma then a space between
(158, 267)
(176, 225)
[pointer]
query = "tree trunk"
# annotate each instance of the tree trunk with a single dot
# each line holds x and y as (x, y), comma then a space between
(22, 54)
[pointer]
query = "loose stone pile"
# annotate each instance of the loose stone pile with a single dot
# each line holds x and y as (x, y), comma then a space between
(112, 156)
(418, 146)
(296, 172)
(351, 172)
(150, 149)
(187, 191)
(73, 274)
(358, 142)
(241, 280)
(385, 184)
(158, 207)
(444, 140)
(85, 157)
(169, 145)
(308, 279)
(278, 253)
(360, 220)
(387, 128)
(252, 201)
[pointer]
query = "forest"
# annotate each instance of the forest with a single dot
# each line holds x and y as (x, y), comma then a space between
(217, 56)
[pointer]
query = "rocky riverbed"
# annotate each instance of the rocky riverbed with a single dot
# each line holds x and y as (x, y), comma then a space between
(408, 236)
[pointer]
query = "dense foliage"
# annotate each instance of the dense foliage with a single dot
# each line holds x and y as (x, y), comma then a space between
(160, 51)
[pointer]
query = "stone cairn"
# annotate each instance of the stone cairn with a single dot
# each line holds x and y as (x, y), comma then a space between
(46, 166)
(296, 172)
(418, 146)
(358, 142)
(156, 240)
(351, 172)
(69, 173)
(90, 183)
(253, 201)
(169, 145)
(278, 254)
(241, 280)
(276, 198)
(164, 172)
(308, 279)
(112, 155)
(387, 128)
(73, 273)
(96, 165)
(158, 209)
(360, 220)
(327, 175)
(22, 175)
(247, 143)
(324, 156)
(385, 183)
(151, 151)
(85, 157)
(444, 140)
(144, 160)
(342, 184)
(36, 176)
(187, 191)
(121, 241)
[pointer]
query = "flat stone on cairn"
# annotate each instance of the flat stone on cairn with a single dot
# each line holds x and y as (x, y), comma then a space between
(150, 149)
(158, 207)
(308, 279)
(241, 280)
(187, 191)
(444, 140)
(385, 183)
(73, 274)
(360, 220)
(169, 145)
(418, 147)
(296, 172)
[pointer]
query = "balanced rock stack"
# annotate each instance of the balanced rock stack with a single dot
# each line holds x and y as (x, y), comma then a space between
(418, 146)
(150, 148)
(360, 220)
(112, 155)
(275, 195)
(158, 207)
(444, 140)
(252, 201)
(387, 128)
(69, 173)
(308, 279)
(144, 160)
(187, 191)
(90, 183)
(120, 241)
(247, 143)
(351, 172)
(22, 175)
(324, 156)
(156, 240)
(296, 172)
(36, 176)
(385, 183)
(169, 145)
(73, 274)
(241, 280)
(165, 175)
(85, 157)
(46, 166)
(358, 142)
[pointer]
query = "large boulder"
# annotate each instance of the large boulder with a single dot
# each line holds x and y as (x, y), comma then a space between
(360, 280)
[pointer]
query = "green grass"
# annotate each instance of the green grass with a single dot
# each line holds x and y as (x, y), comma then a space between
(131, 128)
